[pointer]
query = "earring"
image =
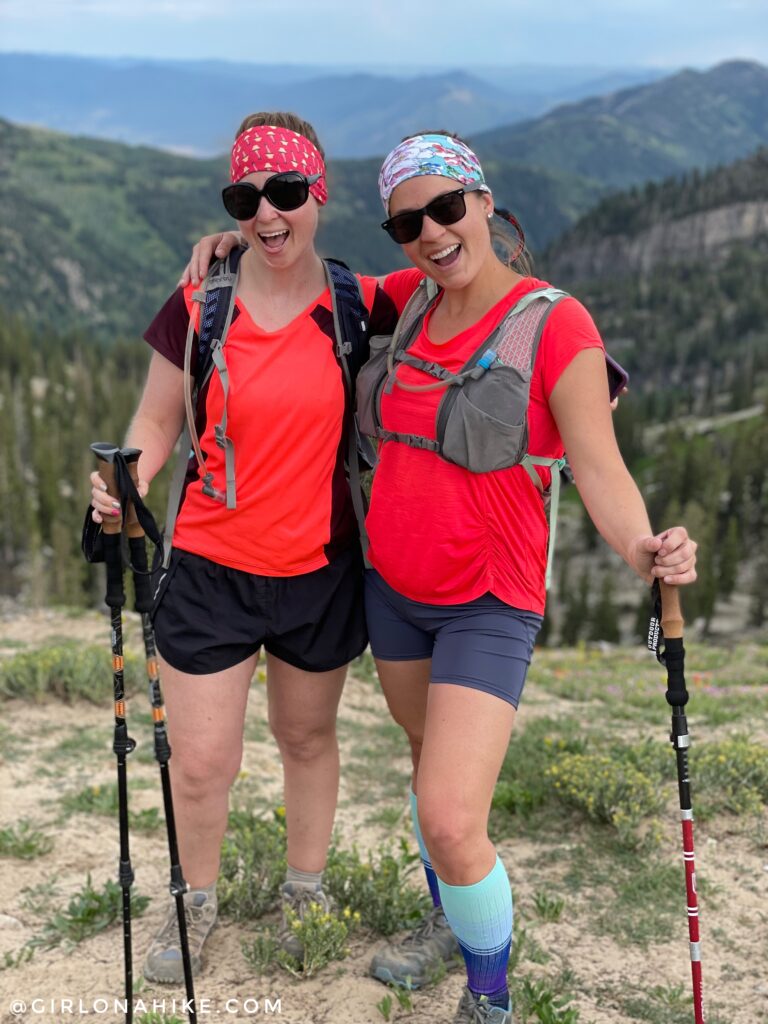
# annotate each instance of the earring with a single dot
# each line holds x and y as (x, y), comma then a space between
(489, 216)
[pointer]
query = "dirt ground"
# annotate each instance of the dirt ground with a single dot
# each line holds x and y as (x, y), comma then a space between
(33, 777)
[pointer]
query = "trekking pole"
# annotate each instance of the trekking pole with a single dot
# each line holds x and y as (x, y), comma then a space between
(123, 744)
(673, 658)
(143, 589)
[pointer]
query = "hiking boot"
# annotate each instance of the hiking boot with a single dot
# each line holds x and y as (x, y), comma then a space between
(298, 899)
(421, 956)
(163, 962)
(474, 1009)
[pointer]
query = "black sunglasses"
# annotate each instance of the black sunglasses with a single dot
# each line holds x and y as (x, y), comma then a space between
(445, 209)
(287, 190)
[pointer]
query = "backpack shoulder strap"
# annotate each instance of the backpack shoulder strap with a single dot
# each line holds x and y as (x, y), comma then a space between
(409, 321)
(216, 300)
(218, 290)
(350, 325)
(350, 315)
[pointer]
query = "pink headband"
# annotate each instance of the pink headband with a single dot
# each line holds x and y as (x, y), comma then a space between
(268, 148)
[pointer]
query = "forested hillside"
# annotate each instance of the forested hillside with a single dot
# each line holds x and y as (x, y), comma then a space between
(690, 323)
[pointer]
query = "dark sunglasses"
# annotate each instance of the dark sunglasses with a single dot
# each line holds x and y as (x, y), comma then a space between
(287, 190)
(445, 209)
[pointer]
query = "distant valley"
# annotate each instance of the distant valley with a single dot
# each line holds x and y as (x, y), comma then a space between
(194, 107)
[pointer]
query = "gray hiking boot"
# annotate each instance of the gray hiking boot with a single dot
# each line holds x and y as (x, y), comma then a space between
(477, 1010)
(297, 900)
(421, 956)
(163, 962)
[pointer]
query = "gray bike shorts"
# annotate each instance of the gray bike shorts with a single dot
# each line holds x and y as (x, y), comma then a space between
(484, 644)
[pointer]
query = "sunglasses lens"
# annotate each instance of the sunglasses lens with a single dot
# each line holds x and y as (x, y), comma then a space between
(287, 191)
(241, 201)
(447, 209)
(405, 227)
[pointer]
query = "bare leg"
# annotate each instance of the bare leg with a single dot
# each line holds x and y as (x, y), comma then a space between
(406, 688)
(466, 737)
(302, 716)
(206, 714)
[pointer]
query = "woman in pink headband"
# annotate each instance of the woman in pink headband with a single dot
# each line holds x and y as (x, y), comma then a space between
(281, 569)
(459, 538)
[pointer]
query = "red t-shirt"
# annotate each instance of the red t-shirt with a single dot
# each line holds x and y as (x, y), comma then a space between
(285, 413)
(440, 534)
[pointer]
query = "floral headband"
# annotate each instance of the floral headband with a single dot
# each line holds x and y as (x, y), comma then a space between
(429, 154)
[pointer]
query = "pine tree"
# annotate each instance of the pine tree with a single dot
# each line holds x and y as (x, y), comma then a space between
(576, 613)
(604, 624)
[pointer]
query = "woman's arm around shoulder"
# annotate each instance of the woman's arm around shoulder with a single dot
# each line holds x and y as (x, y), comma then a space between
(400, 285)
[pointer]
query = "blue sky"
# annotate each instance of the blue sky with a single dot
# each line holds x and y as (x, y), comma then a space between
(413, 33)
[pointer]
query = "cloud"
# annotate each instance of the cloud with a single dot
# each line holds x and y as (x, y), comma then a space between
(403, 33)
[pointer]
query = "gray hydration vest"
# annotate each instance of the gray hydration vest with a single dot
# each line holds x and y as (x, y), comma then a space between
(482, 418)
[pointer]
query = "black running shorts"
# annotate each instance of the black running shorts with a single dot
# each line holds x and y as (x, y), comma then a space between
(209, 617)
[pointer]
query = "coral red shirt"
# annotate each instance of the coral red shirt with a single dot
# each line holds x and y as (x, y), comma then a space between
(440, 534)
(285, 414)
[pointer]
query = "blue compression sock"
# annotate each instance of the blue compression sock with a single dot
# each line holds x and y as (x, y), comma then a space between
(428, 869)
(480, 917)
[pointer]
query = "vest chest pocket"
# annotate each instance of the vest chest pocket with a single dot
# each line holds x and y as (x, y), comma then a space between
(486, 423)
(370, 381)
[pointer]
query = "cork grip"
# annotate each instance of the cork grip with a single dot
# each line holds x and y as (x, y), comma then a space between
(671, 615)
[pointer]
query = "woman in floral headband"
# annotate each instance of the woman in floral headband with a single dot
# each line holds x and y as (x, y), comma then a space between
(283, 569)
(456, 592)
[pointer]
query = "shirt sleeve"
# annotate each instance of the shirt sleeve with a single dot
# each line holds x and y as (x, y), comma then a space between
(382, 312)
(401, 285)
(569, 329)
(167, 334)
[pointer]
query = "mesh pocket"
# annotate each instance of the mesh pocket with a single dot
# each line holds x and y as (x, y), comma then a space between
(370, 378)
(487, 426)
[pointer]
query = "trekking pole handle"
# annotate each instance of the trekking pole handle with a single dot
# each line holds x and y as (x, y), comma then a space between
(671, 615)
(132, 525)
(106, 453)
(112, 526)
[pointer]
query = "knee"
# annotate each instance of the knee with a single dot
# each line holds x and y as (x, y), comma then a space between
(302, 741)
(197, 772)
(452, 834)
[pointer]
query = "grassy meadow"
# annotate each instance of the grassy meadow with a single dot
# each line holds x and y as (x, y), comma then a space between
(585, 816)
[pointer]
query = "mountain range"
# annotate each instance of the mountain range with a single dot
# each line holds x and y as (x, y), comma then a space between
(690, 119)
(194, 107)
(107, 226)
